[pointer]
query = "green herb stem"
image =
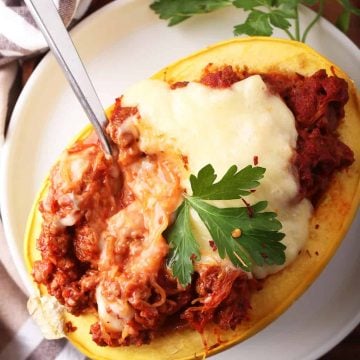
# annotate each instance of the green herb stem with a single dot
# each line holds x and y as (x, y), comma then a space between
(289, 34)
(316, 18)
(297, 24)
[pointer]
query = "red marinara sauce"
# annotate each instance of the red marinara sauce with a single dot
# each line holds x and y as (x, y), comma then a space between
(69, 267)
(317, 103)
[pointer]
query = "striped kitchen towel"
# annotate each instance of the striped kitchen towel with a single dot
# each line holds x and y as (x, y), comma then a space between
(20, 40)
(20, 337)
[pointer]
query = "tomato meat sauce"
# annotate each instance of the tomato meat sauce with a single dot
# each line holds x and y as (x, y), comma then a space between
(83, 194)
(317, 103)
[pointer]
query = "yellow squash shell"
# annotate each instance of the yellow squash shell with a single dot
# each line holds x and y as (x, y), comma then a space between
(331, 219)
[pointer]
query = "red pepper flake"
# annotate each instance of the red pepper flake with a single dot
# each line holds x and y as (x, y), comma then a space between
(212, 245)
(317, 226)
(308, 252)
(185, 160)
(333, 70)
(193, 257)
(252, 190)
(178, 85)
(316, 253)
(69, 327)
(249, 209)
(256, 160)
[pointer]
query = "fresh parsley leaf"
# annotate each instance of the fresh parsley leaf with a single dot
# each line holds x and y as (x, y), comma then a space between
(257, 23)
(288, 10)
(278, 19)
(251, 4)
(348, 6)
(309, 2)
(264, 14)
(265, 247)
(219, 222)
(183, 246)
(289, 3)
(246, 235)
(343, 21)
(259, 240)
(177, 19)
(233, 185)
(177, 11)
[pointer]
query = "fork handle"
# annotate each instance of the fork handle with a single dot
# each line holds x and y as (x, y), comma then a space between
(51, 25)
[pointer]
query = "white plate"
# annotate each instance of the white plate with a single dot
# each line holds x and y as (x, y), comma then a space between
(125, 42)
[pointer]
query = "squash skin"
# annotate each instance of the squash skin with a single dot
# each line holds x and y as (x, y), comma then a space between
(333, 214)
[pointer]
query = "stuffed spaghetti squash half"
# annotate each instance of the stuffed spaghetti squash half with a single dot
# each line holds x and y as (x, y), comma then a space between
(235, 180)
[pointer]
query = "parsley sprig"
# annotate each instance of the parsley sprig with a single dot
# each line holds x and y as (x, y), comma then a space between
(343, 21)
(247, 235)
(264, 15)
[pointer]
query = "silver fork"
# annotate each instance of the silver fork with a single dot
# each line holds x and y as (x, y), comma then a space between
(51, 25)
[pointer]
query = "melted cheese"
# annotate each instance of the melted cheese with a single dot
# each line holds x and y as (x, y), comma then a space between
(132, 245)
(113, 314)
(225, 127)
